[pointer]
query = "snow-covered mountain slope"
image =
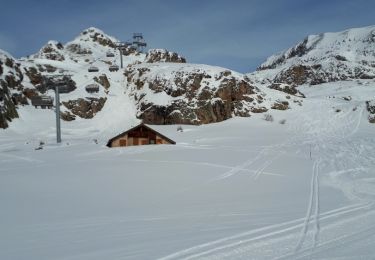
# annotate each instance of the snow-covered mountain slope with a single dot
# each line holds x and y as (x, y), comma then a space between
(56, 63)
(347, 58)
(326, 57)
(163, 89)
(193, 93)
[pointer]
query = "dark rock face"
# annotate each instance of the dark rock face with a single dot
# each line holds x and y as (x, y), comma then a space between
(10, 81)
(314, 75)
(193, 98)
(84, 108)
(99, 37)
(46, 68)
(78, 49)
(162, 55)
(298, 75)
(51, 51)
(289, 89)
(259, 110)
(67, 116)
(103, 80)
(280, 105)
(34, 75)
(7, 107)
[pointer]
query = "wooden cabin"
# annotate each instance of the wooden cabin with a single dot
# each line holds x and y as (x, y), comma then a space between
(110, 54)
(139, 135)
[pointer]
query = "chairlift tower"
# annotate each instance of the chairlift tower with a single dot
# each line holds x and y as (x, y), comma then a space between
(122, 46)
(139, 42)
(59, 84)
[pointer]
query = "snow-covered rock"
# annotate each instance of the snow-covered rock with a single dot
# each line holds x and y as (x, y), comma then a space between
(10, 85)
(326, 57)
(53, 50)
(171, 93)
(162, 55)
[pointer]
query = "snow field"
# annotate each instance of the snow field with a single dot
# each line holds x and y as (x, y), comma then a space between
(239, 189)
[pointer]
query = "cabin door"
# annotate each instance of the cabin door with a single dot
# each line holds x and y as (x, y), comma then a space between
(135, 141)
(152, 138)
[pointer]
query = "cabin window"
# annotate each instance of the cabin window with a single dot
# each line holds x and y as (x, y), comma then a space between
(122, 142)
(152, 141)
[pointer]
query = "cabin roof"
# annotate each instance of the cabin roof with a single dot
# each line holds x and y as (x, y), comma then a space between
(137, 126)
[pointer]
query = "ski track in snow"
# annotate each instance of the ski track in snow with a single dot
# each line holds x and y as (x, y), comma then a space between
(208, 250)
(313, 206)
(325, 141)
(262, 156)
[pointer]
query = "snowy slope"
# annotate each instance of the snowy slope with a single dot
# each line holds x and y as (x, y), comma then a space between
(346, 57)
(245, 188)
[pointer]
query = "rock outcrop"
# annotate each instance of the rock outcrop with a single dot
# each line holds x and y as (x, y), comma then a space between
(83, 107)
(162, 55)
(289, 89)
(99, 37)
(10, 85)
(103, 80)
(189, 94)
(51, 51)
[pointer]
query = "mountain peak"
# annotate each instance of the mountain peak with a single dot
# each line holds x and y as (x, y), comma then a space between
(93, 34)
(326, 57)
(92, 30)
(354, 44)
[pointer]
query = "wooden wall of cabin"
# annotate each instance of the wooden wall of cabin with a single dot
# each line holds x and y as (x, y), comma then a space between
(126, 140)
(121, 141)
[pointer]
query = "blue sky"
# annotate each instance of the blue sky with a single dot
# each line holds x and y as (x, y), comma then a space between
(235, 34)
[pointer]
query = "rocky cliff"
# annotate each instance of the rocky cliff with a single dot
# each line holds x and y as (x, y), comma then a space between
(10, 88)
(190, 94)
